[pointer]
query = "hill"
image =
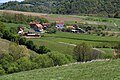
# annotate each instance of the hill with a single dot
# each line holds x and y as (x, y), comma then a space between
(106, 70)
(108, 8)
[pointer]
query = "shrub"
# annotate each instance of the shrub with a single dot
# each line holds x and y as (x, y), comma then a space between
(1, 35)
(13, 30)
(43, 61)
(30, 44)
(22, 41)
(43, 50)
(51, 30)
(58, 58)
(11, 68)
(82, 52)
(2, 71)
(24, 64)
(18, 51)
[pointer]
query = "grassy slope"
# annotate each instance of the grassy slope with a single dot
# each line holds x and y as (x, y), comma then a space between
(52, 41)
(4, 46)
(107, 70)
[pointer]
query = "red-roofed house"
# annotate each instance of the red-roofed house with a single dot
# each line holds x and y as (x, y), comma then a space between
(46, 25)
(59, 24)
(36, 26)
(71, 27)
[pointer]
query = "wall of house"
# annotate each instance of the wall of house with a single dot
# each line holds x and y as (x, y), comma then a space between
(60, 25)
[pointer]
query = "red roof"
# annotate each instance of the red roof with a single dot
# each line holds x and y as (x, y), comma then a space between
(70, 27)
(46, 23)
(34, 23)
(39, 25)
(59, 22)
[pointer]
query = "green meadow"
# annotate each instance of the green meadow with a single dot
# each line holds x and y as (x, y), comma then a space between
(102, 70)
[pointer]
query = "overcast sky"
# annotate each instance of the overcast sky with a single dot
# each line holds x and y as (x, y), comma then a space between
(2, 1)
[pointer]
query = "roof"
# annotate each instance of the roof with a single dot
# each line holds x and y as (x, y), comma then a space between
(34, 23)
(69, 27)
(45, 23)
(59, 22)
(39, 25)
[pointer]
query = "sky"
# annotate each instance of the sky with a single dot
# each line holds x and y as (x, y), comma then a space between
(2, 1)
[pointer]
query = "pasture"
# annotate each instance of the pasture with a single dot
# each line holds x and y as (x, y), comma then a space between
(102, 70)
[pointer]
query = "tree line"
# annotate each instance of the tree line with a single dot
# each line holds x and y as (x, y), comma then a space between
(109, 8)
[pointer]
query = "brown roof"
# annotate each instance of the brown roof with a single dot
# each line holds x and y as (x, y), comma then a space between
(46, 23)
(39, 25)
(70, 27)
(34, 23)
(59, 22)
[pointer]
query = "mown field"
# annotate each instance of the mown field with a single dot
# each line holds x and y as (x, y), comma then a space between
(106, 70)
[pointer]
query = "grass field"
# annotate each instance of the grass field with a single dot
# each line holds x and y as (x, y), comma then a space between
(61, 41)
(106, 70)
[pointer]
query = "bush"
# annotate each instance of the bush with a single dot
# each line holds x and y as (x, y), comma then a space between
(22, 41)
(11, 68)
(18, 51)
(58, 58)
(1, 35)
(2, 71)
(43, 61)
(43, 50)
(24, 64)
(51, 30)
(82, 52)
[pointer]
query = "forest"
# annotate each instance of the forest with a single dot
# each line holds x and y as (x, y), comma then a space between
(106, 8)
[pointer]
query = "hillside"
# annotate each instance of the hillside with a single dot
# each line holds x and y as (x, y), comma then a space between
(107, 70)
(108, 8)
(6, 45)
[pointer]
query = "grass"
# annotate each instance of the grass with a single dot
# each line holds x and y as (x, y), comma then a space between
(106, 70)
(4, 47)
(54, 46)
(85, 37)
(108, 52)
(53, 41)
(9, 25)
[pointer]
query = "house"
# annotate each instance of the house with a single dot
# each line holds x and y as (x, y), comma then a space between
(36, 26)
(70, 27)
(59, 24)
(31, 34)
(76, 29)
(46, 25)
(20, 30)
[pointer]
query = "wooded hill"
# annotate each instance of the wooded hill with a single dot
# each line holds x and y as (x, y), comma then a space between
(110, 8)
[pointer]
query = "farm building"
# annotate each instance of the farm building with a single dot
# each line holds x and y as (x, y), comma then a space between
(36, 26)
(46, 25)
(76, 29)
(59, 24)
(20, 30)
(71, 27)
(32, 34)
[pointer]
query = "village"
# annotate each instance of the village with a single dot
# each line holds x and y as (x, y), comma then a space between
(36, 28)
